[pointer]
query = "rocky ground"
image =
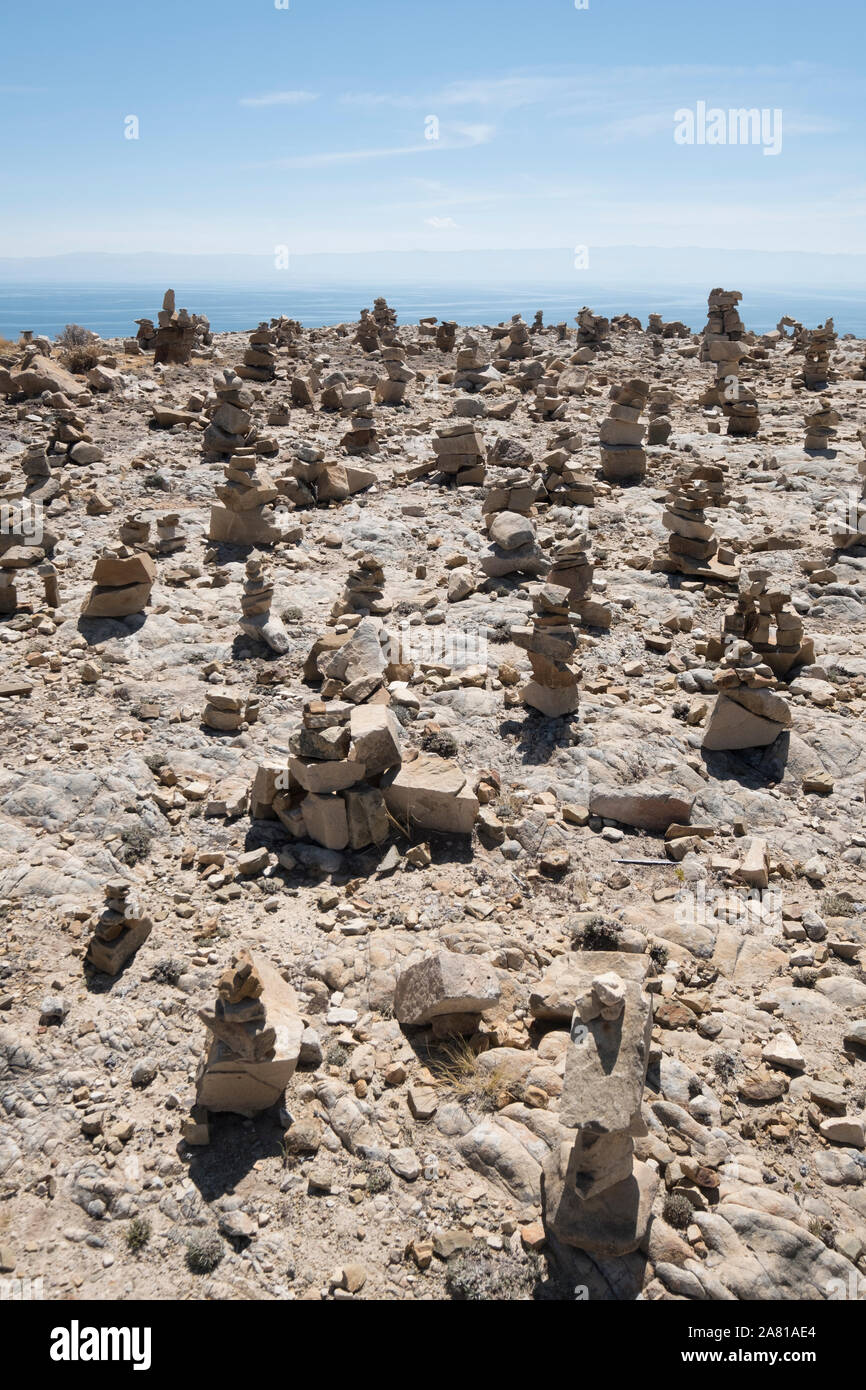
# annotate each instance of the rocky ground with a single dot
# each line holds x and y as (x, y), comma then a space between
(755, 1093)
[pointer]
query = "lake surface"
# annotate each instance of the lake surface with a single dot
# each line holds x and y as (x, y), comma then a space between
(111, 310)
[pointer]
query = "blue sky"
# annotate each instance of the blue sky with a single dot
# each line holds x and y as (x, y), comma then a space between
(306, 126)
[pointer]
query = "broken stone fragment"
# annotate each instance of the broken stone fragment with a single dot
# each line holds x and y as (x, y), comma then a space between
(444, 983)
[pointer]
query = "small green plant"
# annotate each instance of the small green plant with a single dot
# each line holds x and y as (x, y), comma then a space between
(475, 1275)
(136, 843)
(378, 1179)
(837, 905)
(137, 1234)
(204, 1250)
(79, 360)
(597, 933)
(336, 1056)
(677, 1211)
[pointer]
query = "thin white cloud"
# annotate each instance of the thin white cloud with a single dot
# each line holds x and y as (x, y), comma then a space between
(442, 224)
(458, 137)
(280, 99)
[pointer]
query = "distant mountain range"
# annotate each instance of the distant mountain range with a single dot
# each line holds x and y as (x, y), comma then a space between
(611, 265)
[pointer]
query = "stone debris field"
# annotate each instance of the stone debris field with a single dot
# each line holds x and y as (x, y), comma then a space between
(432, 837)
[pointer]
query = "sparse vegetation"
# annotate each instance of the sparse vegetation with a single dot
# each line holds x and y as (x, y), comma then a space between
(204, 1250)
(137, 1234)
(475, 1275)
(678, 1211)
(482, 1088)
(136, 843)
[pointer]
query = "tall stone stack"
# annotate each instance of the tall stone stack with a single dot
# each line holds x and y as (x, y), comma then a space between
(723, 345)
(367, 334)
(170, 535)
(256, 618)
(821, 425)
(748, 713)
(230, 426)
(385, 319)
(391, 389)
(178, 332)
(595, 1195)
(121, 928)
(818, 343)
(361, 437)
(593, 330)
(255, 1039)
(623, 458)
(550, 643)
(661, 399)
(446, 335)
(459, 450)
(244, 515)
(692, 547)
(364, 592)
(259, 362)
(572, 568)
(122, 581)
(763, 618)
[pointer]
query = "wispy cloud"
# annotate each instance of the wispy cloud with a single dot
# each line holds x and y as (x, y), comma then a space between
(457, 137)
(442, 224)
(280, 99)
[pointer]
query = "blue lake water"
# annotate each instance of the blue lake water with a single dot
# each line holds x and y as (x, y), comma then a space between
(111, 310)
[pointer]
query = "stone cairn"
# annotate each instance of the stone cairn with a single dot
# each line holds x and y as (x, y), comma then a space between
(661, 398)
(170, 536)
(391, 389)
(593, 330)
(226, 712)
(119, 930)
(748, 712)
(818, 343)
(763, 617)
(514, 343)
(361, 437)
(514, 547)
(367, 336)
(325, 794)
(69, 435)
(177, 333)
(40, 485)
(621, 436)
(821, 425)
(446, 336)
(692, 548)
(723, 345)
(245, 515)
(459, 451)
(345, 781)
(256, 618)
(313, 481)
(364, 592)
(550, 644)
(122, 581)
(255, 1043)
(230, 425)
(564, 485)
(572, 568)
(472, 371)
(259, 362)
(595, 1195)
(135, 532)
